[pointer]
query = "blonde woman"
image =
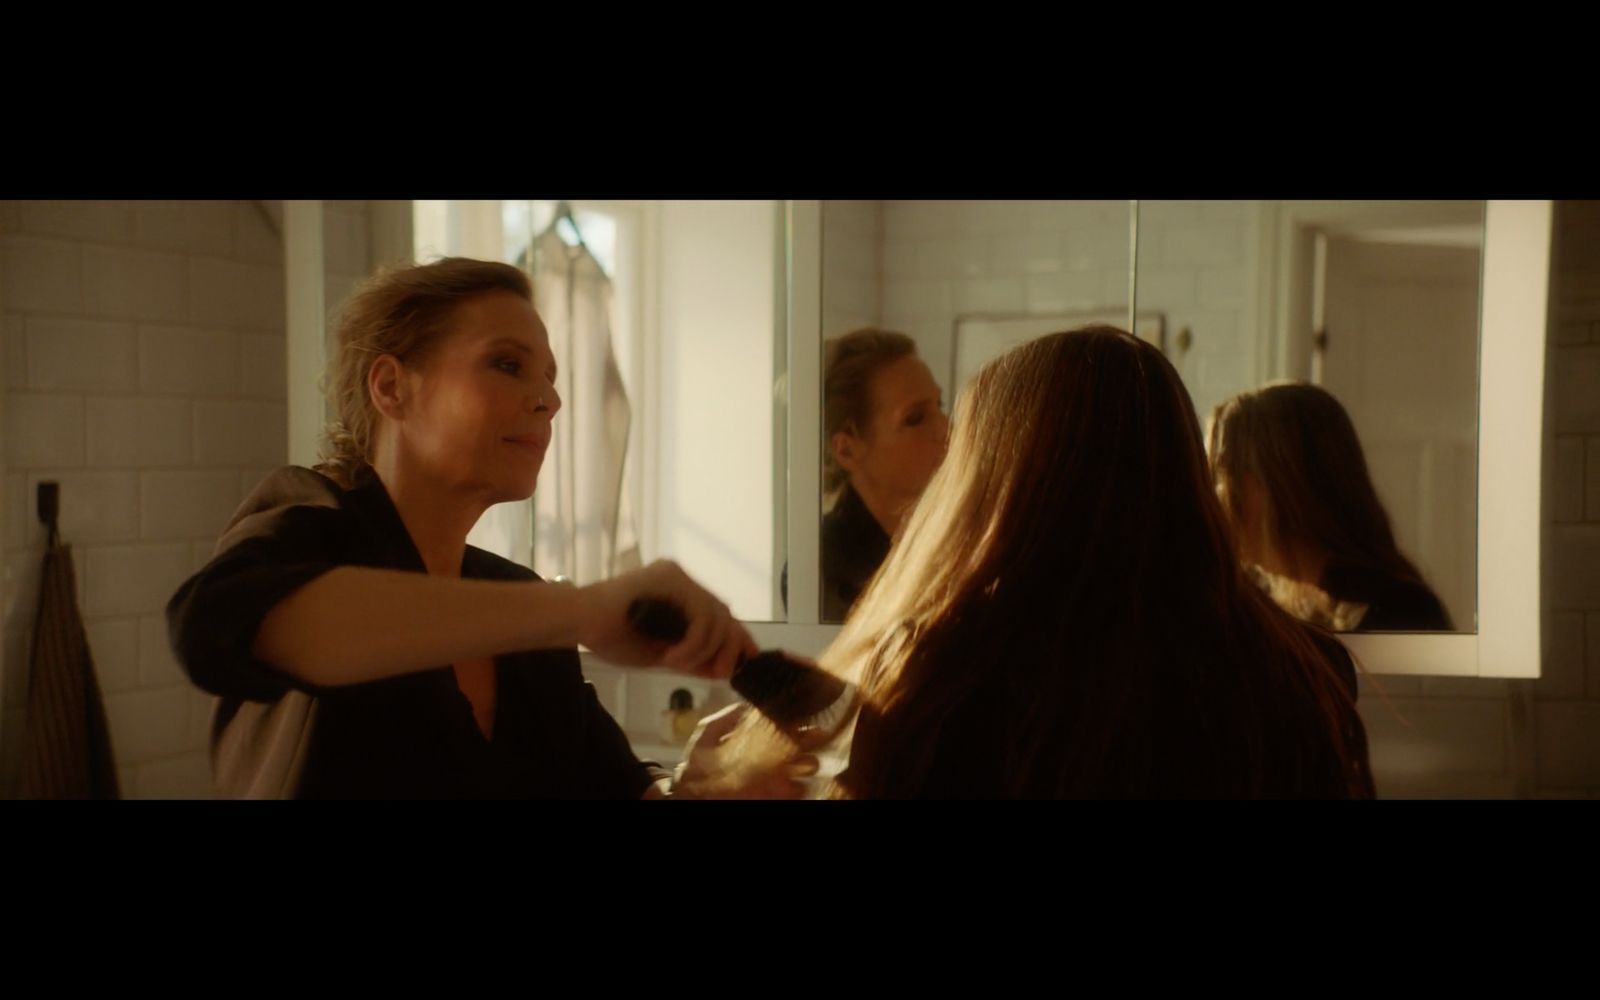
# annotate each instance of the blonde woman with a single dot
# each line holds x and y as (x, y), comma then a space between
(359, 646)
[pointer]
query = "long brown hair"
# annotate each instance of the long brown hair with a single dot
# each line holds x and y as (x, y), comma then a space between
(1300, 446)
(401, 311)
(1065, 604)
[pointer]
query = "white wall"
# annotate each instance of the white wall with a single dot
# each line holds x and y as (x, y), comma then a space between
(716, 314)
(1199, 266)
(942, 259)
(852, 251)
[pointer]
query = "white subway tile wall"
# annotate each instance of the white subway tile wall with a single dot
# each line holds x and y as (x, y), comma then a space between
(852, 264)
(944, 260)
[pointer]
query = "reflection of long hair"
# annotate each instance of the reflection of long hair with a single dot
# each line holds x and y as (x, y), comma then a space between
(1064, 602)
(1297, 442)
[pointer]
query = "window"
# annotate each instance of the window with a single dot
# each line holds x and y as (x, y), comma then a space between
(693, 304)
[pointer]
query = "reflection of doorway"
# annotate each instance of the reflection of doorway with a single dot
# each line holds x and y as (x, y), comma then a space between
(1398, 346)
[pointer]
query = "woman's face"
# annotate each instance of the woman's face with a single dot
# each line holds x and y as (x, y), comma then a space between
(906, 436)
(481, 401)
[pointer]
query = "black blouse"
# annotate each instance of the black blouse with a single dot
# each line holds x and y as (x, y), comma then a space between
(854, 545)
(409, 737)
(1393, 605)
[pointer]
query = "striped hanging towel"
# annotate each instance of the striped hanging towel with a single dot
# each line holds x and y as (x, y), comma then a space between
(66, 751)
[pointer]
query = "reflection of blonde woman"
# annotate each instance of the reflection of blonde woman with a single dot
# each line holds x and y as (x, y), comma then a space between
(1292, 476)
(885, 432)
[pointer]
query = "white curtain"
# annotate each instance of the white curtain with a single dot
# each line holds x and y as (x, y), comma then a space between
(582, 527)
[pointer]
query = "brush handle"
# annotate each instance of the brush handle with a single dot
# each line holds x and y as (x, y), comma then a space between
(656, 619)
(661, 620)
(785, 689)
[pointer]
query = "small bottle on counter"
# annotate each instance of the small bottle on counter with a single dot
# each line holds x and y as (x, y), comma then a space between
(680, 718)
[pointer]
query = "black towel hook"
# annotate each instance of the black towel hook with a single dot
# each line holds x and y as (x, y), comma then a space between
(50, 508)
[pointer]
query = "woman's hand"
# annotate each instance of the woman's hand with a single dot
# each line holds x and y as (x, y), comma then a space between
(704, 774)
(711, 647)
